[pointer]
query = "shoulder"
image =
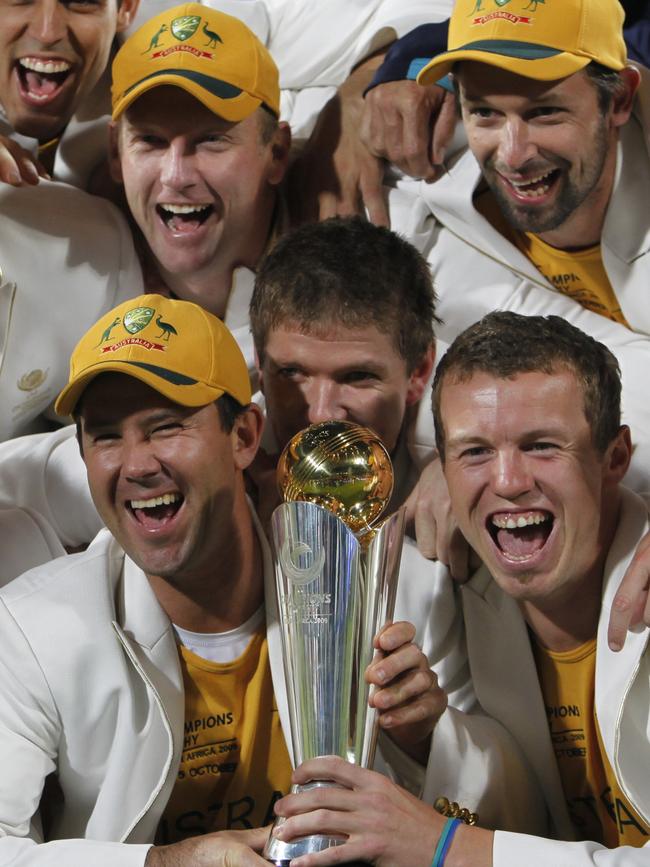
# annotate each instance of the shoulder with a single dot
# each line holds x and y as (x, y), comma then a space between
(73, 582)
(26, 540)
(51, 206)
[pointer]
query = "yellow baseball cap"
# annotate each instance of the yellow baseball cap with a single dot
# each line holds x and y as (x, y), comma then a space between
(541, 39)
(211, 55)
(175, 347)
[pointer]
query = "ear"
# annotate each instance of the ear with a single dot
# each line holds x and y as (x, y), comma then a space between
(420, 377)
(114, 164)
(623, 102)
(246, 435)
(125, 14)
(280, 147)
(618, 456)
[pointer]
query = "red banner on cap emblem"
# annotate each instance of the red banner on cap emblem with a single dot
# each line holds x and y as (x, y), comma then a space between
(192, 50)
(137, 341)
(509, 16)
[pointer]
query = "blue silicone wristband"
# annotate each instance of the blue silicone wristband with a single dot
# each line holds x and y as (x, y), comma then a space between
(444, 842)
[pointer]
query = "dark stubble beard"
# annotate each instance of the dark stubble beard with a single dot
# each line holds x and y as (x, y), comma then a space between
(572, 192)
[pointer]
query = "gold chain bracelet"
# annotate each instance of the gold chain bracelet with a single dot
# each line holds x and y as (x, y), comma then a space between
(453, 811)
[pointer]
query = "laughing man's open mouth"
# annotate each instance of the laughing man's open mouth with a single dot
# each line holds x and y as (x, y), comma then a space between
(156, 511)
(42, 79)
(520, 535)
(184, 218)
(535, 187)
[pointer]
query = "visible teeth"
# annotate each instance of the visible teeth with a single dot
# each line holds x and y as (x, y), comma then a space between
(528, 181)
(165, 500)
(526, 187)
(47, 66)
(512, 522)
(184, 209)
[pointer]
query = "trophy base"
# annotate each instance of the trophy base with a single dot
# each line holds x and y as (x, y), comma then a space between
(347, 863)
(281, 853)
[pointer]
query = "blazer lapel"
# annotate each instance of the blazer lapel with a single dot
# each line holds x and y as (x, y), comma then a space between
(506, 684)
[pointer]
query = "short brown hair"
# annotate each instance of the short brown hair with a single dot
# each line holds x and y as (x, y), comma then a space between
(346, 270)
(505, 344)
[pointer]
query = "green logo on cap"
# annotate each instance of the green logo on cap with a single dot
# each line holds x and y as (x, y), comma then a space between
(137, 319)
(184, 27)
(502, 2)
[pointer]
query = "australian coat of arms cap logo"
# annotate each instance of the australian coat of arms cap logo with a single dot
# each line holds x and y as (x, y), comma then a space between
(185, 26)
(137, 318)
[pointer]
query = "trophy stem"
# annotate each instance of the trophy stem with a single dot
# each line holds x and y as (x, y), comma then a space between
(281, 852)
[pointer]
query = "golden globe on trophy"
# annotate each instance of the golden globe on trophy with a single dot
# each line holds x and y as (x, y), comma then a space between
(336, 569)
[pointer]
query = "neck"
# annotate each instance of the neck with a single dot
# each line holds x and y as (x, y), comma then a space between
(210, 287)
(211, 290)
(567, 624)
(226, 593)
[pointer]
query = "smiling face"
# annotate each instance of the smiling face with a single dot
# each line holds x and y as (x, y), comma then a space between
(52, 53)
(531, 493)
(546, 149)
(166, 479)
(353, 374)
(201, 189)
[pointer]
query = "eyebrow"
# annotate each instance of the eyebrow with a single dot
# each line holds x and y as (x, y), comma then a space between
(368, 365)
(549, 97)
(528, 436)
(97, 421)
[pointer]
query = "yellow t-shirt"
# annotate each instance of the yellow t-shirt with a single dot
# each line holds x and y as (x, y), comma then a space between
(235, 763)
(579, 274)
(599, 811)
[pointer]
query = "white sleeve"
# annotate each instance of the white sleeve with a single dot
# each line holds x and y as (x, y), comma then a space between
(29, 733)
(22, 852)
(429, 598)
(45, 472)
(317, 44)
(513, 850)
(475, 762)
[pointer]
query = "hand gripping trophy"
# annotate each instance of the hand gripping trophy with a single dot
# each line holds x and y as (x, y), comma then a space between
(336, 573)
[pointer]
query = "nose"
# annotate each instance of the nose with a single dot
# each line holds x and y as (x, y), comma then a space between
(511, 475)
(324, 403)
(139, 461)
(515, 144)
(178, 171)
(48, 22)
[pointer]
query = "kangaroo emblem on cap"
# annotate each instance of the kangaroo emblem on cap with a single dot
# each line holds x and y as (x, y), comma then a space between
(107, 332)
(154, 39)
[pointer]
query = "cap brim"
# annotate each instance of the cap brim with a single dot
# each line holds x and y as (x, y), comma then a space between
(221, 98)
(528, 61)
(179, 389)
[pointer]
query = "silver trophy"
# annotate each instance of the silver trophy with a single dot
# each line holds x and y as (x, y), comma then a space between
(336, 575)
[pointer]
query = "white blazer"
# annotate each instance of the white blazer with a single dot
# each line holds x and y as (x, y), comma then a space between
(506, 684)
